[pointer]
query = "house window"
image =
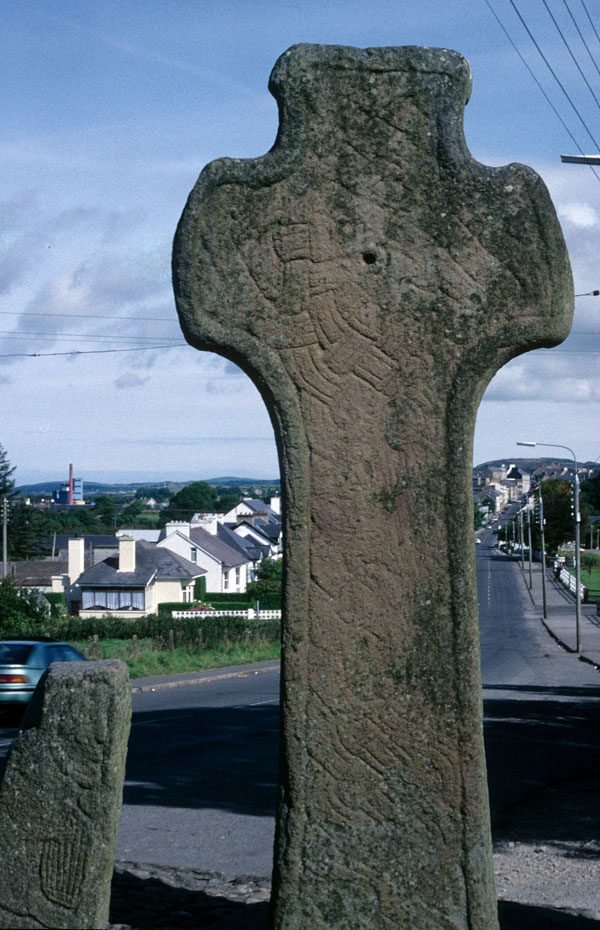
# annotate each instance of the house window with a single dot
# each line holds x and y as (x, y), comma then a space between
(225, 580)
(113, 599)
(237, 576)
(194, 554)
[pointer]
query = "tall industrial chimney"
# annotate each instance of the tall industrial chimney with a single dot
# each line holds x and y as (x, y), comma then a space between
(70, 485)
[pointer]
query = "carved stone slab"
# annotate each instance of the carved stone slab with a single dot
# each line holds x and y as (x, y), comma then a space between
(60, 798)
(371, 277)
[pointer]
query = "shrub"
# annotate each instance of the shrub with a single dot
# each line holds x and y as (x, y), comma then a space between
(20, 610)
(58, 604)
(200, 588)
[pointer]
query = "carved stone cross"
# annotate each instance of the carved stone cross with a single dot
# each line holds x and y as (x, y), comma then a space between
(371, 277)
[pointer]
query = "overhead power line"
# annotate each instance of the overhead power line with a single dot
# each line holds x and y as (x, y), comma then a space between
(591, 20)
(539, 85)
(93, 316)
(174, 345)
(24, 334)
(554, 75)
(581, 36)
(570, 51)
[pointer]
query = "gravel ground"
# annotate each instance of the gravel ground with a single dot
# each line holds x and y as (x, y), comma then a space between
(547, 856)
(546, 860)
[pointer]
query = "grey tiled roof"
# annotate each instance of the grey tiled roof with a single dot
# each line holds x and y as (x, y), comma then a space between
(215, 546)
(270, 529)
(260, 507)
(150, 562)
(36, 572)
(244, 544)
(93, 540)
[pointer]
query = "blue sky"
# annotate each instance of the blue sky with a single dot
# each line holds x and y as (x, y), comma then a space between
(109, 112)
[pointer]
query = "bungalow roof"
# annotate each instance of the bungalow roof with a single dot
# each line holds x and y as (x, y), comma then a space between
(216, 547)
(150, 562)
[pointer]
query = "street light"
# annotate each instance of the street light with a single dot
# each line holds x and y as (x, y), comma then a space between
(543, 541)
(556, 445)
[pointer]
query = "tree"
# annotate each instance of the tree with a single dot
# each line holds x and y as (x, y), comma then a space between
(196, 497)
(588, 562)
(105, 510)
(226, 502)
(269, 577)
(590, 493)
(159, 494)
(557, 495)
(7, 484)
(19, 607)
(26, 529)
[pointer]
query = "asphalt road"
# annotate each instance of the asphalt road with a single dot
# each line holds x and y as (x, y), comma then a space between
(541, 706)
(201, 777)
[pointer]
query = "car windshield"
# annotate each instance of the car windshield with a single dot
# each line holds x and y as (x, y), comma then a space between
(14, 653)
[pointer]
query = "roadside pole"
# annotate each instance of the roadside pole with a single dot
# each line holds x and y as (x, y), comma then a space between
(577, 561)
(4, 536)
(521, 539)
(542, 524)
(529, 546)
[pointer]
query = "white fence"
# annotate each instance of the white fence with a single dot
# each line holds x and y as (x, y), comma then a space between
(569, 582)
(249, 614)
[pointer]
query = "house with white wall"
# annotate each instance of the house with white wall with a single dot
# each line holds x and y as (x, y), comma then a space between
(227, 570)
(132, 583)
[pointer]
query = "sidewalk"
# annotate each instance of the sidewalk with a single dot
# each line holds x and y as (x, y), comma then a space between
(166, 682)
(560, 609)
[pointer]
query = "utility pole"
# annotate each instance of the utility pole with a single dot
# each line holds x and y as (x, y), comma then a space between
(577, 516)
(529, 546)
(521, 540)
(577, 563)
(542, 525)
(4, 536)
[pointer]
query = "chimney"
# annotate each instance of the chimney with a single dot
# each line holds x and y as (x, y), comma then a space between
(275, 504)
(177, 526)
(76, 563)
(126, 554)
(70, 485)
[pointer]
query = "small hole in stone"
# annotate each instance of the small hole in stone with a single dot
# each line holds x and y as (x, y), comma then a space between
(369, 258)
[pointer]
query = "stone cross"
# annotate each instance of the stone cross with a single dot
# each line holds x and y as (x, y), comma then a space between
(60, 798)
(370, 276)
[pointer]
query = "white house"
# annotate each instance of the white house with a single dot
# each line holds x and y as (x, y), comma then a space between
(227, 569)
(132, 583)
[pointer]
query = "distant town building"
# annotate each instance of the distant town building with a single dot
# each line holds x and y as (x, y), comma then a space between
(71, 493)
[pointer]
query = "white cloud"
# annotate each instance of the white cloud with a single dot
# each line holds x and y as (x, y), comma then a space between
(550, 378)
(129, 380)
(581, 215)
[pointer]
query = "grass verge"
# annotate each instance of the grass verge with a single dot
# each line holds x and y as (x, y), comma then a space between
(151, 661)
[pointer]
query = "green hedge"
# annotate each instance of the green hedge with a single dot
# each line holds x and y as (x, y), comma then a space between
(56, 601)
(270, 601)
(215, 630)
(200, 588)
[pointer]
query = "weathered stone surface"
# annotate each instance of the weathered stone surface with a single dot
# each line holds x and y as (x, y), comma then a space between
(371, 277)
(60, 798)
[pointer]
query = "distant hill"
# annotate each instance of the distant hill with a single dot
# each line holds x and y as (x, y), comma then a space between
(91, 488)
(530, 465)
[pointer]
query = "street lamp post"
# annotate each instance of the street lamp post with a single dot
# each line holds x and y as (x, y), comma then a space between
(529, 546)
(521, 540)
(543, 543)
(556, 445)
